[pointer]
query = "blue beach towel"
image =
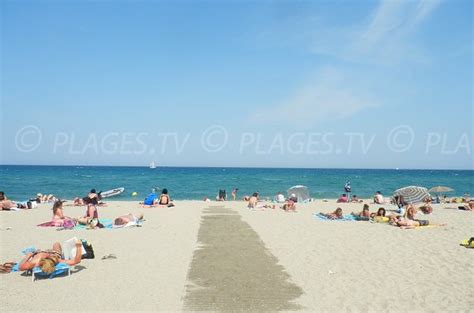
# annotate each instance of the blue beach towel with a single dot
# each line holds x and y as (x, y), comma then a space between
(107, 222)
(324, 218)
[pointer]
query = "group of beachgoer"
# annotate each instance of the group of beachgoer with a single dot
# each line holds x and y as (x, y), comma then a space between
(403, 217)
(47, 260)
(9, 205)
(288, 205)
(153, 200)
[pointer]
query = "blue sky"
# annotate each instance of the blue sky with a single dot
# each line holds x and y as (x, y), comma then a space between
(102, 83)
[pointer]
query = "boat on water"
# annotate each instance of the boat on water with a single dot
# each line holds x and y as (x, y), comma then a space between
(152, 164)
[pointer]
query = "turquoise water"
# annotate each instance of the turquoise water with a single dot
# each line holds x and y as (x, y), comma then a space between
(23, 182)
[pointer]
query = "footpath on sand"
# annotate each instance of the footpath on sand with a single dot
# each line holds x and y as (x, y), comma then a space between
(232, 270)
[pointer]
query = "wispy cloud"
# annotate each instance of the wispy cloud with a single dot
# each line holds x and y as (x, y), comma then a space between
(384, 38)
(387, 37)
(328, 95)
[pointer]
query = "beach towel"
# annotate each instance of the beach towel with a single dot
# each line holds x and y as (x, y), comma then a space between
(107, 222)
(50, 224)
(136, 223)
(324, 218)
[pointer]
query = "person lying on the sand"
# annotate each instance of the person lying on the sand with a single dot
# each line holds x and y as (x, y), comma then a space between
(468, 207)
(7, 205)
(48, 259)
(426, 209)
(364, 214)
(334, 215)
(40, 198)
(406, 223)
(409, 221)
(125, 219)
(355, 199)
(78, 201)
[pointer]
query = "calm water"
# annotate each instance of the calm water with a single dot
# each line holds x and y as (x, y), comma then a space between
(23, 182)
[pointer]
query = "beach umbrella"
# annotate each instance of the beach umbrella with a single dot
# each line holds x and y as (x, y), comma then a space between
(413, 194)
(440, 189)
(301, 193)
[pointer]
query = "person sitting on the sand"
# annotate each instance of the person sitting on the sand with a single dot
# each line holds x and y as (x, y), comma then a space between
(290, 204)
(343, 199)
(334, 215)
(58, 215)
(364, 215)
(48, 259)
(378, 198)
(355, 199)
(125, 219)
(468, 207)
(91, 218)
(164, 197)
(380, 213)
(253, 200)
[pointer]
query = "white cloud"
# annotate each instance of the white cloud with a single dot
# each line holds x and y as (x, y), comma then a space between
(329, 95)
(387, 38)
(383, 39)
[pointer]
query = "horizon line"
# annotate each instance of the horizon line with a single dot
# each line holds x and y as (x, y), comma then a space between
(248, 167)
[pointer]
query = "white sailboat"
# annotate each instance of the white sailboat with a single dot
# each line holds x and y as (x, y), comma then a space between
(152, 164)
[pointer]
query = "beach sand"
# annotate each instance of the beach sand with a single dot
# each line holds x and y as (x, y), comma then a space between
(215, 256)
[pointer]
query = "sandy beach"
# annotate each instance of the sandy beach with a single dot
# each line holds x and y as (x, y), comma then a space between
(221, 256)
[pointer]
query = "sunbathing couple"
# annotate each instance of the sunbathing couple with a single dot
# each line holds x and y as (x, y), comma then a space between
(408, 220)
(288, 206)
(163, 200)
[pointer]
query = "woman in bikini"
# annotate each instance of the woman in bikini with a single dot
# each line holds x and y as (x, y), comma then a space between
(164, 198)
(334, 215)
(48, 259)
(125, 219)
(364, 215)
(58, 215)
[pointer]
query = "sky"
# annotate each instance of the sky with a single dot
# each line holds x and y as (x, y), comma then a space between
(316, 84)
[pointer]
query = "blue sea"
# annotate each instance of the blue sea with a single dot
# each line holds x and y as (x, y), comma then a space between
(24, 182)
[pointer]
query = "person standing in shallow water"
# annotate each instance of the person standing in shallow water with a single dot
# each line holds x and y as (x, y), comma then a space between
(234, 193)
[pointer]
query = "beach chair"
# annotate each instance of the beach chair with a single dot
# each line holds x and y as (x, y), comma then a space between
(60, 269)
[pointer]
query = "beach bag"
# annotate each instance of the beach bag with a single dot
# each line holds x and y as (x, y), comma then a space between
(89, 250)
(150, 199)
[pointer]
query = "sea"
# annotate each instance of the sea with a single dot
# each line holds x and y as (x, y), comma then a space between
(21, 182)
